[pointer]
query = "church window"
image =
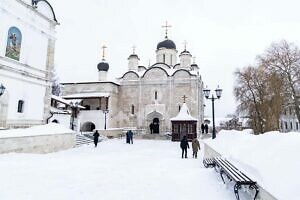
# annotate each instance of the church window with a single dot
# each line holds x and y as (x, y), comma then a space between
(179, 108)
(13, 45)
(132, 109)
(297, 126)
(164, 58)
(155, 95)
(20, 106)
(285, 125)
(291, 123)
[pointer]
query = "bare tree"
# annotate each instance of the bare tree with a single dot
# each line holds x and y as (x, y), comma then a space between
(283, 58)
(260, 96)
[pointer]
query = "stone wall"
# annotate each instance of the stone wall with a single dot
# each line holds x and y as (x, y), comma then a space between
(37, 144)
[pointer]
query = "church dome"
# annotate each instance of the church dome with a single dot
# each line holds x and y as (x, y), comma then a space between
(103, 66)
(168, 44)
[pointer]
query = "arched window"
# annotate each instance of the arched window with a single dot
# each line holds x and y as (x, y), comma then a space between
(20, 106)
(179, 108)
(155, 95)
(13, 45)
(132, 109)
(164, 58)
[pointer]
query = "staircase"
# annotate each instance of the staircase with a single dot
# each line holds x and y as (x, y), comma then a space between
(84, 139)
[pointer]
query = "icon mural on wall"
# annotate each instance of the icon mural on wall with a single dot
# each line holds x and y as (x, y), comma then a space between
(13, 46)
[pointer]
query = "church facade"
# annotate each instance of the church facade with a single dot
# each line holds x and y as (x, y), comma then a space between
(143, 96)
(27, 35)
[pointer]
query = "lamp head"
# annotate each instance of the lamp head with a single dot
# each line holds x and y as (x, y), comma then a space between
(218, 92)
(206, 92)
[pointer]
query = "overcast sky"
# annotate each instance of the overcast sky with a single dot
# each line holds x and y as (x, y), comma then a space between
(223, 35)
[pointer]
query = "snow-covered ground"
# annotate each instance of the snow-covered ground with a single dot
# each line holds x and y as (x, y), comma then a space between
(271, 159)
(146, 170)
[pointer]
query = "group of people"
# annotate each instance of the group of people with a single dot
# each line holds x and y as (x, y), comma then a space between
(204, 127)
(184, 145)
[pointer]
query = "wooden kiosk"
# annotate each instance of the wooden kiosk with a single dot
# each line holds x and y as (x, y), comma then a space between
(184, 124)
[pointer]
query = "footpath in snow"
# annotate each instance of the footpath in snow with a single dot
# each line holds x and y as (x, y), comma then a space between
(146, 170)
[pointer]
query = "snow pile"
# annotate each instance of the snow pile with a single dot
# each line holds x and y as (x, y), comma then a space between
(144, 170)
(271, 159)
(47, 129)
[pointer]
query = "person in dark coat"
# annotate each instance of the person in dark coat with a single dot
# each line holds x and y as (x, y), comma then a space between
(202, 128)
(96, 137)
(130, 135)
(206, 128)
(127, 137)
(184, 145)
(151, 128)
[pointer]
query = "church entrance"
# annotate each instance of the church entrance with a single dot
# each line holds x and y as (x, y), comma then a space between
(155, 126)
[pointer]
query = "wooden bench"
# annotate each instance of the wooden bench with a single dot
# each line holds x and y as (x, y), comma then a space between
(232, 173)
(209, 162)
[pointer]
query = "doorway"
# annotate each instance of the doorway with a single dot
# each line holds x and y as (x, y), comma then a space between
(155, 126)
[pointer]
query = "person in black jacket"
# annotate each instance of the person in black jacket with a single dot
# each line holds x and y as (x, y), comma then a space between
(184, 145)
(96, 136)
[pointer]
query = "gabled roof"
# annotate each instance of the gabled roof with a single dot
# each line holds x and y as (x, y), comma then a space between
(184, 114)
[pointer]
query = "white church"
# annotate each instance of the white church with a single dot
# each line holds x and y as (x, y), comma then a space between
(27, 38)
(143, 96)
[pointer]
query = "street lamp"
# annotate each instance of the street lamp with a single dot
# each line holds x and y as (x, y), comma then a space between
(2, 88)
(74, 108)
(105, 111)
(212, 98)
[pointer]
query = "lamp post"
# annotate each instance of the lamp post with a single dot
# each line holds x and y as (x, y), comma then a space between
(2, 88)
(212, 98)
(74, 108)
(105, 111)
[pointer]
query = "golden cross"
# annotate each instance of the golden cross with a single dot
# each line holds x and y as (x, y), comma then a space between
(184, 97)
(103, 51)
(185, 43)
(133, 49)
(166, 26)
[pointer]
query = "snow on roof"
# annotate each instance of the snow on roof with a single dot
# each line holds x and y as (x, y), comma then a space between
(47, 129)
(86, 95)
(184, 114)
(61, 100)
(59, 111)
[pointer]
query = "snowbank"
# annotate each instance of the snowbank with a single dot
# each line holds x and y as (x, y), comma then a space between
(47, 129)
(38, 139)
(272, 159)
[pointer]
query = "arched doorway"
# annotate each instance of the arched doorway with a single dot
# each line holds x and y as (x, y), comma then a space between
(88, 127)
(55, 121)
(155, 126)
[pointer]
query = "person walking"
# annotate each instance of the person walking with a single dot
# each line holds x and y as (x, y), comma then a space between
(206, 128)
(96, 137)
(202, 128)
(195, 147)
(130, 135)
(184, 145)
(127, 137)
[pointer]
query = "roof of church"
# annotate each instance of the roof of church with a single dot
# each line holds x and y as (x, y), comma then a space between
(168, 44)
(184, 114)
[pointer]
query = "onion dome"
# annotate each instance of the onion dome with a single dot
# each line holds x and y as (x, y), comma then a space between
(168, 44)
(133, 56)
(103, 66)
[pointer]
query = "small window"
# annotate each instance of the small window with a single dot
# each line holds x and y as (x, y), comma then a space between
(164, 58)
(286, 125)
(297, 126)
(20, 106)
(179, 108)
(132, 109)
(291, 123)
(155, 95)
